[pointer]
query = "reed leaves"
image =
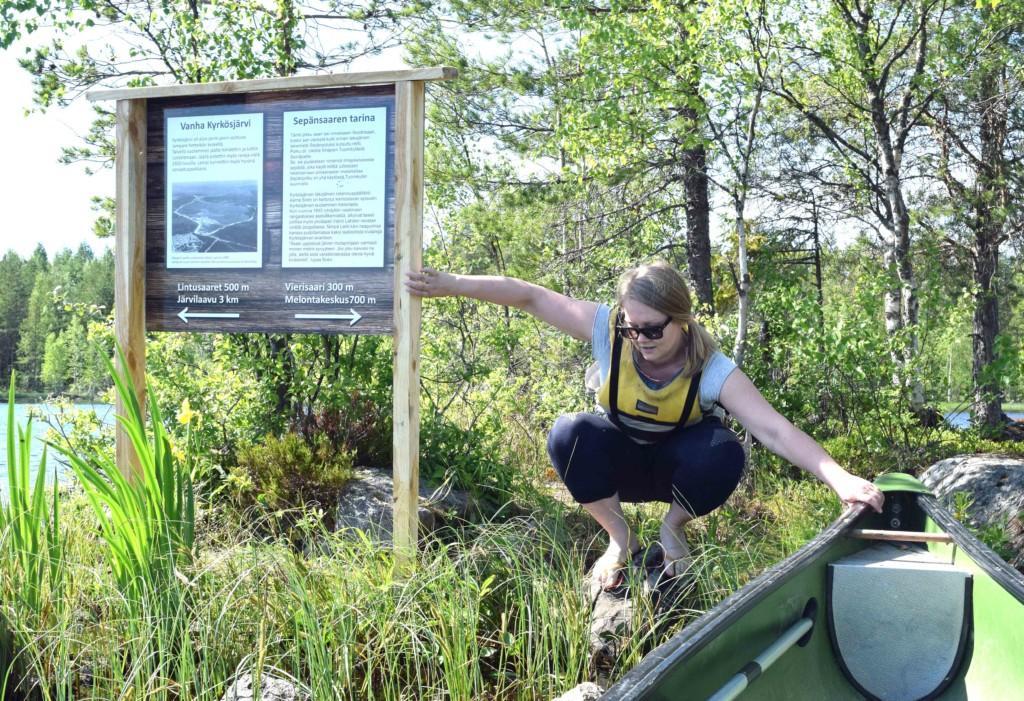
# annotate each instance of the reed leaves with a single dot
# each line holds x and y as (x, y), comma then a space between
(29, 522)
(147, 519)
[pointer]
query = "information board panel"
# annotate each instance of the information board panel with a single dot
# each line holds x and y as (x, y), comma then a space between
(271, 212)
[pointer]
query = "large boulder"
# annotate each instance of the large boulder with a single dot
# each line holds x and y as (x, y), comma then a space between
(1014, 429)
(366, 501)
(1015, 530)
(995, 487)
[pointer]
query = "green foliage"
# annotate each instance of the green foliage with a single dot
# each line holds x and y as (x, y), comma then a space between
(468, 459)
(55, 320)
(86, 430)
(994, 535)
(496, 610)
(285, 473)
(894, 444)
(906, 446)
(1012, 323)
(559, 163)
(18, 282)
(997, 537)
(330, 391)
(226, 397)
(1005, 365)
(73, 358)
(962, 502)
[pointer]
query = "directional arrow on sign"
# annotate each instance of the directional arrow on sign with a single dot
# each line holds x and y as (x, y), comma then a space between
(185, 316)
(354, 316)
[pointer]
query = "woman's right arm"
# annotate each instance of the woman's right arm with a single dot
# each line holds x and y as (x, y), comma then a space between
(573, 316)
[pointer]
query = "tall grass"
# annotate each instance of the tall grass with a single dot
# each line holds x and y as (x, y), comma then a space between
(30, 523)
(31, 547)
(495, 611)
(147, 521)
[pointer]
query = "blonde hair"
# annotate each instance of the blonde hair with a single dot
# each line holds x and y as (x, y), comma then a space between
(661, 287)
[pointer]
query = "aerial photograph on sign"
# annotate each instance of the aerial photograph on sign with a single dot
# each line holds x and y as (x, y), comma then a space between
(214, 187)
(214, 217)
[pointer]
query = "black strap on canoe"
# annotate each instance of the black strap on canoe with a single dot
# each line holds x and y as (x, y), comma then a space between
(613, 396)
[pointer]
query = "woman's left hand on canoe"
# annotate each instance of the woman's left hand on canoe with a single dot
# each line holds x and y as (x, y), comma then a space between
(854, 490)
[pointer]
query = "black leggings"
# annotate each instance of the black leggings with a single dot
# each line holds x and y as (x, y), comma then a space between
(698, 467)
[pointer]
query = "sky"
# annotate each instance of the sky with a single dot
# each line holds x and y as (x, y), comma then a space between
(42, 200)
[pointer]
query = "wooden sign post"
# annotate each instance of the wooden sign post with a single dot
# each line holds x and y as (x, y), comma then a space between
(406, 382)
(130, 263)
(277, 205)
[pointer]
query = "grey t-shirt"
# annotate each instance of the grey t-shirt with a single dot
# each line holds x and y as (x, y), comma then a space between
(716, 369)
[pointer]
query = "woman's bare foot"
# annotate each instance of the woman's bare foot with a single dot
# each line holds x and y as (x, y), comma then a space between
(609, 569)
(622, 543)
(677, 552)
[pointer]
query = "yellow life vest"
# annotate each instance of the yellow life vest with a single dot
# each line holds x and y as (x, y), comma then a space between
(637, 409)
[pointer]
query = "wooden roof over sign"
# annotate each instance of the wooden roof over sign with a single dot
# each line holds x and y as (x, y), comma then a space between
(332, 80)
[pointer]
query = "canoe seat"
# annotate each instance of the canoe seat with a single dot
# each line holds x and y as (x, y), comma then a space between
(899, 619)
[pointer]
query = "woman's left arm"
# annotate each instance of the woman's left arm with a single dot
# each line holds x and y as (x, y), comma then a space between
(740, 398)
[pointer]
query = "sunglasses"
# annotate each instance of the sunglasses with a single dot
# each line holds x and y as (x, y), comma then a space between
(634, 332)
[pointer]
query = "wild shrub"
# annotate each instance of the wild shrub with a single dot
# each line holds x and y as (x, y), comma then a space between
(360, 424)
(469, 459)
(285, 474)
(230, 408)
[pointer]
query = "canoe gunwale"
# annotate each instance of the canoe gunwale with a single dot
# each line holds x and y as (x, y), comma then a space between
(694, 637)
(994, 566)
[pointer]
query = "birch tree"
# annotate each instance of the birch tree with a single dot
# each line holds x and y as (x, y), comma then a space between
(740, 89)
(858, 72)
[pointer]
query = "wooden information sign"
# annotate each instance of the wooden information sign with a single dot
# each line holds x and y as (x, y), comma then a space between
(275, 212)
(278, 205)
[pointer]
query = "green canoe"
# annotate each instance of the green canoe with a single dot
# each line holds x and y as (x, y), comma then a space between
(901, 605)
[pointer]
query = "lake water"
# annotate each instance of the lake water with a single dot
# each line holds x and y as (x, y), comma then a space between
(962, 419)
(39, 429)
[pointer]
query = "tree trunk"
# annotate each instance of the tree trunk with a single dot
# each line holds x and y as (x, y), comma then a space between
(740, 203)
(988, 405)
(908, 305)
(901, 304)
(823, 398)
(743, 288)
(891, 303)
(280, 352)
(988, 229)
(698, 217)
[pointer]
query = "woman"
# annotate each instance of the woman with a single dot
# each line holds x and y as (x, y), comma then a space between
(658, 377)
